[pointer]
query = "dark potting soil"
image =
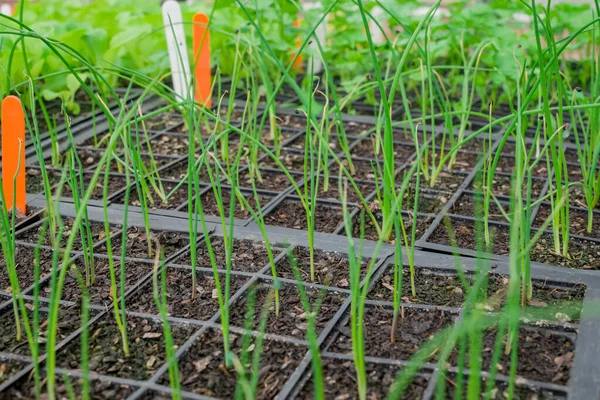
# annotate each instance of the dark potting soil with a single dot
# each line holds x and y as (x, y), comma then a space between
(8, 368)
(276, 181)
(203, 369)
(106, 357)
(366, 148)
(507, 164)
(299, 143)
(331, 269)
(578, 220)
(292, 316)
(447, 290)
(168, 120)
(34, 182)
(232, 114)
(211, 207)
(429, 202)
(69, 320)
(24, 388)
(339, 378)
(291, 121)
(247, 255)
(292, 214)
(291, 162)
(502, 186)
(446, 181)
(179, 295)
(151, 162)
(356, 128)
(474, 145)
(179, 170)
(284, 136)
(154, 200)
(88, 158)
(137, 243)
(465, 162)
(414, 328)
(500, 391)
(25, 260)
(464, 233)
(100, 291)
(32, 235)
(363, 170)
(542, 355)
(115, 183)
(333, 191)
(582, 254)
(473, 207)
(404, 134)
(171, 145)
(370, 232)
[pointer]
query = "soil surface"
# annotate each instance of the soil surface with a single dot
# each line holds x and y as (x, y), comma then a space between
(69, 321)
(180, 303)
(331, 269)
(291, 162)
(137, 243)
(8, 368)
(465, 162)
(32, 235)
(106, 356)
(502, 186)
(247, 255)
(447, 290)
(291, 214)
(500, 391)
(367, 148)
(370, 231)
(542, 355)
(292, 316)
(464, 233)
(446, 181)
(203, 369)
(339, 378)
(578, 220)
(363, 170)
(34, 182)
(412, 331)
(179, 170)
(176, 200)
(271, 180)
(25, 260)
(100, 291)
(211, 207)
(333, 192)
(115, 183)
(473, 207)
(98, 390)
(582, 254)
(171, 145)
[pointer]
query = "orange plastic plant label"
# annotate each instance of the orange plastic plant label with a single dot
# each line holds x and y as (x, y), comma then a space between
(13, 153)
(202, 59)
(298, 63)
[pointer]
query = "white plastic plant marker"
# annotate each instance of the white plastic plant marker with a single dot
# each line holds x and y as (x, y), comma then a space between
(321, 36)
(376, 34)
(6, 9)
(177, 47)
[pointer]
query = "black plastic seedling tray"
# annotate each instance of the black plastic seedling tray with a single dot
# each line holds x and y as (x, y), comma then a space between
(583, 382)
(280, 197)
